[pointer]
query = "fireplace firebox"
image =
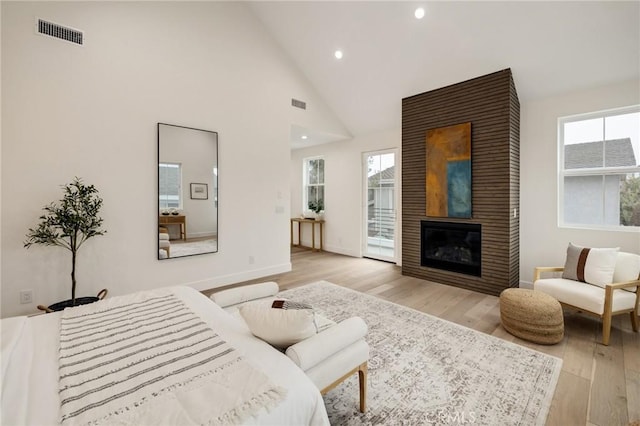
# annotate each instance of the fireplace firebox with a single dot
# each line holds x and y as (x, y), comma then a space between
(455, 247)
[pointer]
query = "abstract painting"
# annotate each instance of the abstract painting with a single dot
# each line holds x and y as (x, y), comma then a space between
(448, 180)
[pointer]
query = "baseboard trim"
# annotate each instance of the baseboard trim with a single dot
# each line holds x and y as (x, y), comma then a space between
(224, 280)
(342, 250)
(526, 284)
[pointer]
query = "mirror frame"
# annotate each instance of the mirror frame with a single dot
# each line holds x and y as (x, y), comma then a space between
(215, 190)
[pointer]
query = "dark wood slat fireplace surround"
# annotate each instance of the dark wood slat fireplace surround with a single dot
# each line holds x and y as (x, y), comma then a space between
(491, 104)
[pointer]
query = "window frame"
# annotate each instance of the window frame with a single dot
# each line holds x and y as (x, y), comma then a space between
(306, 184)
(180, 194)
(591, 171)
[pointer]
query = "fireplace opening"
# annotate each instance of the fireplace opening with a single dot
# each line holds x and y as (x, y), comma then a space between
(454, 247)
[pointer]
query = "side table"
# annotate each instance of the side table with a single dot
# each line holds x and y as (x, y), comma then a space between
(313, 223)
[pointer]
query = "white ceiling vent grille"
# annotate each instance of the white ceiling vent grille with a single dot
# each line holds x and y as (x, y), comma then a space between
(58, 31)
(298, 104)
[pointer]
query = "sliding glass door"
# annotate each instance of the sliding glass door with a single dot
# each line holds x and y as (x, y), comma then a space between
(380, 204)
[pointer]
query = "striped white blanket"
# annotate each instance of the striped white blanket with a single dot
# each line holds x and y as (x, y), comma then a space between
(148, 359)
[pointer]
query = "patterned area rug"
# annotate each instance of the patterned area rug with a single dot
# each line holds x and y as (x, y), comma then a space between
(179, 249)
(427, 371)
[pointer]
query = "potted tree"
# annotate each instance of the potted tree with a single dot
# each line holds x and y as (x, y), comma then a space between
(69, 224)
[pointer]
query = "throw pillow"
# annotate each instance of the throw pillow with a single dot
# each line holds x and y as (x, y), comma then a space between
(280, 323)
(590, 265)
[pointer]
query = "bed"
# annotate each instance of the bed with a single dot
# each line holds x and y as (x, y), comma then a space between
(36, 361)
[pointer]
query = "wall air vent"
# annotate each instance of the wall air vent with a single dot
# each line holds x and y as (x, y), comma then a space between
(298, 104)
(58, 31)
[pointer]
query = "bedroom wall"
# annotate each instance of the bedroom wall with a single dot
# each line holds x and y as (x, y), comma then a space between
(91, 111)
(542, 242)
(343, 188)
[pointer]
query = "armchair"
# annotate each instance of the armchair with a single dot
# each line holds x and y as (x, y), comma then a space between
(163, 240)
(620, 297)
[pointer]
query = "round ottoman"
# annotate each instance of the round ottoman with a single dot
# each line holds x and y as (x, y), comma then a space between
(532, 315)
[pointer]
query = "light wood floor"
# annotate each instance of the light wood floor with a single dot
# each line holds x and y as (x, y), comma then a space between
(598, 385)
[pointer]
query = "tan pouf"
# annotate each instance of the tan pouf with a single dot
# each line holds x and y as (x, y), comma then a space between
(532, 315)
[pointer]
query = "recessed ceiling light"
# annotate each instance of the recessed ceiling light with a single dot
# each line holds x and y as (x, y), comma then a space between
(338, 54)
(304, 136)
(419, 13)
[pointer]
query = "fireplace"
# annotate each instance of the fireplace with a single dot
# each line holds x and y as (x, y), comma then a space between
(454, 247)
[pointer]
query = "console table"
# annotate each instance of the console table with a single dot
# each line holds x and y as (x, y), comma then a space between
(172, 219)
(313, 223)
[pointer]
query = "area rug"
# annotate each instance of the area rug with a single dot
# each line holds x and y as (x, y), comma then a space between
(428, 371)
(179, 249)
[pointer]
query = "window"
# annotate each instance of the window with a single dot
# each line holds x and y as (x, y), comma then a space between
(600, 169)
(170, 185)
(313, 185)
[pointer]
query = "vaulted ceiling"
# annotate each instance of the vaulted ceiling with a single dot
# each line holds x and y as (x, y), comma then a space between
(551, 47)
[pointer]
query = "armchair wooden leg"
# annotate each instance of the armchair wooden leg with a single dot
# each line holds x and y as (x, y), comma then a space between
(362, 375)
(606, 315)
(606, 329)
(634, 320)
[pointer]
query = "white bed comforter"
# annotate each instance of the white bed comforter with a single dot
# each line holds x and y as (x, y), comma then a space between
(30, 368)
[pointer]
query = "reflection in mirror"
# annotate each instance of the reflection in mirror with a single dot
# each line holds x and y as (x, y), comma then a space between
(187, 191)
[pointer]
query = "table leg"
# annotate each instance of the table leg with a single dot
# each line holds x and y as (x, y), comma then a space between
(313, 236)
(321, 225)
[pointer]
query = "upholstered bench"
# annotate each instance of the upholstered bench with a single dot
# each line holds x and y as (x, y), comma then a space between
(532, 315)
(329, 357)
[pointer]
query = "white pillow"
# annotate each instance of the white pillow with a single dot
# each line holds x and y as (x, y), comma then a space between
(278, 327)
(591, 265)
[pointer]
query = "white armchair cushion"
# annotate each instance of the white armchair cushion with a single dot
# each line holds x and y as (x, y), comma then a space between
(590, 265)
(313, 350)
(627, 269)
(583, 295)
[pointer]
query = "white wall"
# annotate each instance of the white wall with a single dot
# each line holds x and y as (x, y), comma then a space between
(92, 111)
(542, 242)
(344, 188)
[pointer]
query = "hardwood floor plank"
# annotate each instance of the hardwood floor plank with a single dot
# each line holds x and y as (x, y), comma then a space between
(608, 388)
(631, 349)
(633, 394)
(571, 410)
(599, 385)
(581, 345)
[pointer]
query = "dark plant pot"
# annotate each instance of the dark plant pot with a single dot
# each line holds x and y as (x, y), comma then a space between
(60, 306)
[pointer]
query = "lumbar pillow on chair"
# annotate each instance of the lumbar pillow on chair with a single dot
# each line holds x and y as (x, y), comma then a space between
(590, 265)
(280, 323)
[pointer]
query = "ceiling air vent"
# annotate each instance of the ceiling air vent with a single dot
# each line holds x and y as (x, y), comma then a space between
(58, 31)
(298, 104)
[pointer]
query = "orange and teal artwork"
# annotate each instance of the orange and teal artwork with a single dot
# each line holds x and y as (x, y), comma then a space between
(448, 180)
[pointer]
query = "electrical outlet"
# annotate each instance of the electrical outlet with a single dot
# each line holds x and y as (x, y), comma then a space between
(26, 296)
(252, 260)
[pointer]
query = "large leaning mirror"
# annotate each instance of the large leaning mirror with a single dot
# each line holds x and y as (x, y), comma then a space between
(187, 191)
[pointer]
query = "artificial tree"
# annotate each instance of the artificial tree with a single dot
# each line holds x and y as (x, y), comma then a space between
(70, 223)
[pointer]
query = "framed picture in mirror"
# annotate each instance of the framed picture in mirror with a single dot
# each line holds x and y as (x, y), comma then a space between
(199, 191)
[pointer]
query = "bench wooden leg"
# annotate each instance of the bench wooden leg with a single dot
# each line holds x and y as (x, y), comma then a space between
(362, 375)
(362, 370)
